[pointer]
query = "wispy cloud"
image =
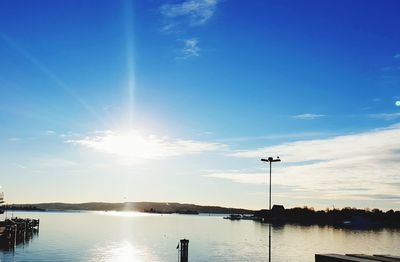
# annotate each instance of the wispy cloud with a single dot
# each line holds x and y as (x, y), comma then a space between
(390, 73)
(308, 116)
(50, 132)
(14, 139)
(133, 145)
(182, 15)
(190, 12)
(205, 133)
(386, 116)
(69, 134)
(190, 48)
(241, 177)
(344, 146)
(376, 100)
(299, 135)
(55, 163)
(332, 167)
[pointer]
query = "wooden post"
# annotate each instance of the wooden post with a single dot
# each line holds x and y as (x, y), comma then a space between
(184, 250)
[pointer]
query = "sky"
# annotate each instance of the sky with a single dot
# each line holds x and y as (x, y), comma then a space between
(177, 101)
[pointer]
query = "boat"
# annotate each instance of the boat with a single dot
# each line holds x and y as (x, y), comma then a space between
(234, 217)
(247, 217)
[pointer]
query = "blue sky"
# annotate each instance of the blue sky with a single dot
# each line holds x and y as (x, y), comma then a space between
(178, 100)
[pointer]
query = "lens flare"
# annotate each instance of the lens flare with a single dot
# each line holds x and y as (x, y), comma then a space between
(50, 75)
(130, 61)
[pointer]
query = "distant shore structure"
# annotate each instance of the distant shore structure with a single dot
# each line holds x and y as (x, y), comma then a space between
(355, 258)
(16, 230)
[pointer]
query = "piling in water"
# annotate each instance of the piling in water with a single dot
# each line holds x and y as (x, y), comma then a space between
(184, 250)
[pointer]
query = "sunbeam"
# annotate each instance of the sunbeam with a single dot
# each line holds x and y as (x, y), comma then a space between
(130, 63)
(53, 77)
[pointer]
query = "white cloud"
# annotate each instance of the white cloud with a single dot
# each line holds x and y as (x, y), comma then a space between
(50, 132)
(308, 116)
(14, 139)
(69, 134)
(181, 15)
(206, 133)
(133, 145)
(386, 116)
(382, 141)
(191, 12)
(241, 177)
(396, 56)
(298, 135)
(357, 166)
(191, 48)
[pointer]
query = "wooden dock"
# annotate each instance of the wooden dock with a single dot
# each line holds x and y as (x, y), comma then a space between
(17, 230)
(355, 257)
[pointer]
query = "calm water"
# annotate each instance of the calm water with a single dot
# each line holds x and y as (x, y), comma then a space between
(113, 236)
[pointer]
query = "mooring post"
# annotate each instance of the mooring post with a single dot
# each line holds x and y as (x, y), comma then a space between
(184, 250)
(15, 235)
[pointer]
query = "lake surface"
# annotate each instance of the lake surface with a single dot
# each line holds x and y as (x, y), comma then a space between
(130, 236)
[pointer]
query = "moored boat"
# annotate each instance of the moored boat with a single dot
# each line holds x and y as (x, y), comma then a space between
(234, 217)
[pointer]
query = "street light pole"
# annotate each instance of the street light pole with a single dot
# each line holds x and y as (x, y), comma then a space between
(270, 183)
(270, 160)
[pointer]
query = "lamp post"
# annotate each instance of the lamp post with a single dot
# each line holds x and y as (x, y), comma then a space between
(270, 160)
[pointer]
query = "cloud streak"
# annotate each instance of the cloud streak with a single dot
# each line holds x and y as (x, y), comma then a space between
(182, 15)
(359, 166)
(308, 116)
(299, 135)
(385, 116)
(133, 145)
(384, 142)
(190, 12)
(191, 48)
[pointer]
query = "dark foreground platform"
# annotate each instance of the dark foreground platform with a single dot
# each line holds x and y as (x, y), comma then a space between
(355, 257)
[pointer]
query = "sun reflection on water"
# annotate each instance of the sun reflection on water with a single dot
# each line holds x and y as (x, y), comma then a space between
(122, 252)
(125, 213)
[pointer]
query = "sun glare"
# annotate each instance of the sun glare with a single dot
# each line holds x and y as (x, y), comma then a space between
(135, 146)
(122, 252)
(125, 213)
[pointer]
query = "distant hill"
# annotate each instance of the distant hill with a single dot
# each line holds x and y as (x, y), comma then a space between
(153, 207)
